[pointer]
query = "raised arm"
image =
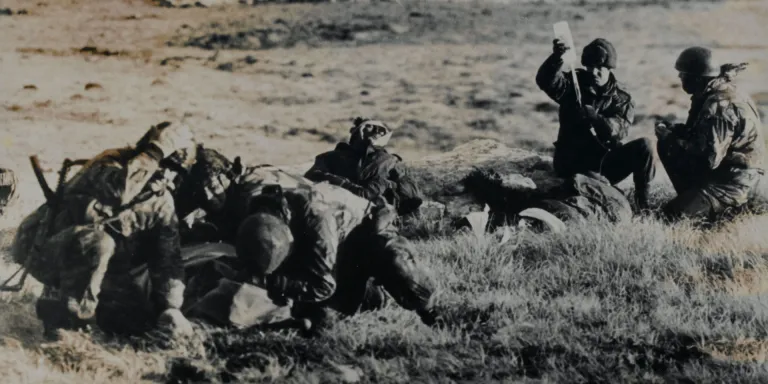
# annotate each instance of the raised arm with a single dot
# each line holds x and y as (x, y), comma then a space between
(550, 77)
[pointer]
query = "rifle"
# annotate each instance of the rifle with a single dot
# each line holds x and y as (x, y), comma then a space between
(53, 199)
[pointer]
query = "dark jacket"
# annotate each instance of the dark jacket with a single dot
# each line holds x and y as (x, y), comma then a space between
(368, 173)
(576, 149)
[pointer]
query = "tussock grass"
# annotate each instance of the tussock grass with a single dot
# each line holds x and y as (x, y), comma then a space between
(595, 304)
(638, 301)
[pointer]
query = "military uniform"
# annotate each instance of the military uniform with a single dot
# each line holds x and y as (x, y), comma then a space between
(577, 150)
(587, 196)
(368, 171)
(111, 217)
(714, 160)
(328, 238)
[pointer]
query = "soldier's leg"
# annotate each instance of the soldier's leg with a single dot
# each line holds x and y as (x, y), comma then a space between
(155, 225)
(83, 266)
(692, 204)
(637, 158)
(124, 307)
(396, 269)
(53, 313)
(676, 162)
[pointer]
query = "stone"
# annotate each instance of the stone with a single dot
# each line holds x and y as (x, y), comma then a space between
(442, 176)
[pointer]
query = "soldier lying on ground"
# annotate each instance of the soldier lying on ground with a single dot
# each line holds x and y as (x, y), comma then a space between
(581, 197)
(306, 242)
(606, 107)
(364, 167)
(715, 159)
(115, 213)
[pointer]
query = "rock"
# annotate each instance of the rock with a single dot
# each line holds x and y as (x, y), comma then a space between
(442, 177)
(398, 28)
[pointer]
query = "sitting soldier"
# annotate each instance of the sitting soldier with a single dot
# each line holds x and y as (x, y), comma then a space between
(716, 159)
(364, 167)
(116, 213)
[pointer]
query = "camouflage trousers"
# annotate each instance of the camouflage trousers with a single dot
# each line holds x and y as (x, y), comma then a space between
(636, 158)
(87, 265)
(702, 193)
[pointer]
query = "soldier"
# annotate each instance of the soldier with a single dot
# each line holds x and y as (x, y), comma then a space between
(605, 107)
(8, 193)
(579, 198)
(304, 242)
(715, 159)
(303, 249)
(366, 168)
(115, 213)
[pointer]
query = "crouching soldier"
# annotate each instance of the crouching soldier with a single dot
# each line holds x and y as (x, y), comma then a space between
(321, 256)
(715, 159)
(366, 168)
(606, 108)
(304, 242)
(116, 213)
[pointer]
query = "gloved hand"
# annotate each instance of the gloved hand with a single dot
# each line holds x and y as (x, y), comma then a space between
(277, 287)
(589, 112)
(559, 47)
(169, 138)
(173, 321)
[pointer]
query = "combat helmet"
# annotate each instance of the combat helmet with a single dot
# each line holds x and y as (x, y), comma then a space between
(697, 61)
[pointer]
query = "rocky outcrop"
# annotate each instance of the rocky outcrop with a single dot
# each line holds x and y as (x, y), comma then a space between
(449, 178)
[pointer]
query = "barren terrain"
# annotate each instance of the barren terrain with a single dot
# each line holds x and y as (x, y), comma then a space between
(279, 83)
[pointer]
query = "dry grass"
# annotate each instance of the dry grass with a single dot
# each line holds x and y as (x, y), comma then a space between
(598, 303)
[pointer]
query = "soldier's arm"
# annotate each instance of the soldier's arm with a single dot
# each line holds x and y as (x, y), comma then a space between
(551, 79)
(613, 124)
(166, 269)
(319, 245)
(321, 171)
(714, 133)
(408, 192)
(375, 178)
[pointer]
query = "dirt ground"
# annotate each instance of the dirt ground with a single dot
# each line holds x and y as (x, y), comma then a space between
(280, 83)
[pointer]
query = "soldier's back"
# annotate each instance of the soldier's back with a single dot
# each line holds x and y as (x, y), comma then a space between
(748, 144)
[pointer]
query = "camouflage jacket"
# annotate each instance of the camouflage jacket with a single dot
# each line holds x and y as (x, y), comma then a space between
(723, 129)
(585, 196)
(322, 215)
(114, 191)
(368, 173)
(614, 106)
